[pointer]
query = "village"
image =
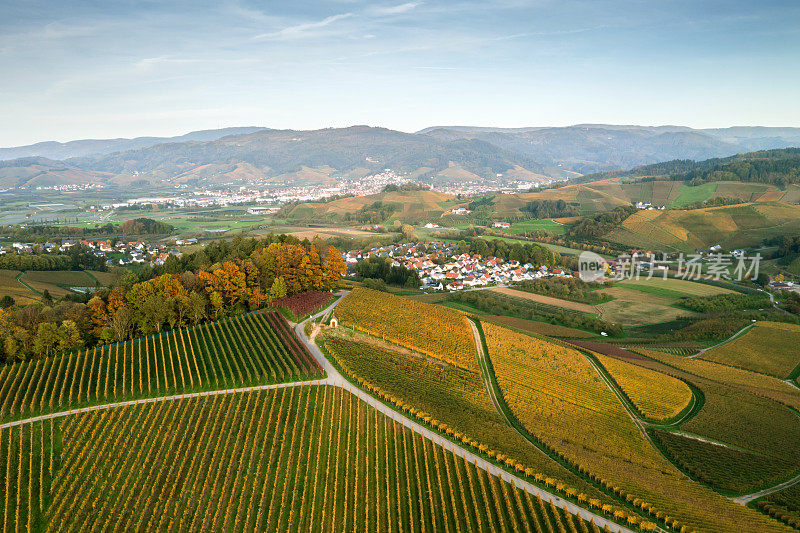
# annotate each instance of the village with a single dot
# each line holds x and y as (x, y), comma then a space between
(440, 266)
(116, 252)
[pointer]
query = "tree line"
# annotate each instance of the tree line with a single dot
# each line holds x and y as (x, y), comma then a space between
(550, 209)
(137, 226)
(601, 223)
(76, 257)
(220, 280)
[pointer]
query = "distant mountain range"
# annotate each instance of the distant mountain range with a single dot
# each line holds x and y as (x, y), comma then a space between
(433, 155)
(589, 148)
(95, 147)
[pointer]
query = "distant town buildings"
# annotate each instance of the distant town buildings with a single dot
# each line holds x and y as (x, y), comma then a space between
(439, 267)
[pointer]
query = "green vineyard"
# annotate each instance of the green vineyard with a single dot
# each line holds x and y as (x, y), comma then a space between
(249, 350)
(289, 459)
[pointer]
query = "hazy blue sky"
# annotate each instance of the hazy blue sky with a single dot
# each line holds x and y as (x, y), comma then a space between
(109, 68)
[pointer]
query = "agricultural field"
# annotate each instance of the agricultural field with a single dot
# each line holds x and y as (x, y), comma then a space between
(744, 437)
(556, 394)
(768, 347)
(276, 460)
(541, 328)
(676, 288)
(542, 224)
(590, 200)
(303, 304)
(252, 349)
(429, 329)
(720, 466)
(27, 287)
(11, 287)
(547, 300)
(656, 396)
(783, 505)
(692, 195)
(757, 384)
(630, 307)
(449, 394)
(57, 282)
(413, 205)
(733, 226)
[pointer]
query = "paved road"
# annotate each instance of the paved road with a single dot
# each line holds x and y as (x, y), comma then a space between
(335, 378)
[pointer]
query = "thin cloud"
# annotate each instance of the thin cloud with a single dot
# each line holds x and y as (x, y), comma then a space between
(396, 10)
(302, 30)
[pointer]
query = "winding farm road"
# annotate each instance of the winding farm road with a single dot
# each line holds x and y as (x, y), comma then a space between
(336, 379)
(726, 341)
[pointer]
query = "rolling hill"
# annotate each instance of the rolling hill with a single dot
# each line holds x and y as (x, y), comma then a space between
(588, 148)
(435, 155)
(732, 226)
(403, 205)
(291, 157)
(93, 147)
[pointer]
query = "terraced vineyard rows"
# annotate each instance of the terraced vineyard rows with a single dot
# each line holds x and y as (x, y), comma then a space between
(248, 350)
(294, 459)
(769, 348)
(415, 325)
(655, 395)
(555, 392)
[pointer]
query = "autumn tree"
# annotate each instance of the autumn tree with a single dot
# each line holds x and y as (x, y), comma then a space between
(123, 323)
(335, 268)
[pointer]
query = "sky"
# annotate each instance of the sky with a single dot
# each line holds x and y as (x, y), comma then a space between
(109, 68)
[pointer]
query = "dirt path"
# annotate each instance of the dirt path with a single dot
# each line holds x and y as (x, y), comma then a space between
(747, 498)
(186, 396)
(726, 341)
(548, 300)
(334, 378)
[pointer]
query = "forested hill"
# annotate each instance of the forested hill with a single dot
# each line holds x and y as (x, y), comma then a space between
(776, 167)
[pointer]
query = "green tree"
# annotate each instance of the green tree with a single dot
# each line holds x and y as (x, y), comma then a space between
(6, 302)
(47, 337)
(278, 289)
(69, 336)
(197, 307)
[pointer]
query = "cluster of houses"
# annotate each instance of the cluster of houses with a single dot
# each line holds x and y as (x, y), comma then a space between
(132, 252)
(440, 267)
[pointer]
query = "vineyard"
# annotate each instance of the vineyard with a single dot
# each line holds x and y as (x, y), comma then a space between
(451, 396)
(783, 505)
(248, 350)
(291, 459)
(433, 330)
(556, 394)
(758, 384)
(768, 347)
(720, 466)
(300, 305)
(656, 396)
